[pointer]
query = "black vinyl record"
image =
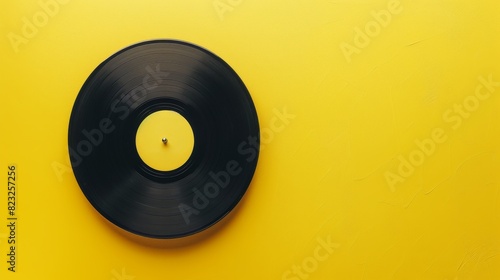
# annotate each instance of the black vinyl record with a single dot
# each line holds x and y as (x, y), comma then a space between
(129, 86)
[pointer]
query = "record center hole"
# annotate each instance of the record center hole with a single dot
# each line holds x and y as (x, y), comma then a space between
(176, 145)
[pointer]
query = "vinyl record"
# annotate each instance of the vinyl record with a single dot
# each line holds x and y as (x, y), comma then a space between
(164, 76)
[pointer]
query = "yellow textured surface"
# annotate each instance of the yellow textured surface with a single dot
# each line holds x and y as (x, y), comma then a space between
(380, 128)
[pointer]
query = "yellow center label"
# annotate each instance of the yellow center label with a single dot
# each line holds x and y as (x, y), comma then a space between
(165, 140)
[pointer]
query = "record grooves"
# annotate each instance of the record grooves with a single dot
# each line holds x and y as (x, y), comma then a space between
(125, 89)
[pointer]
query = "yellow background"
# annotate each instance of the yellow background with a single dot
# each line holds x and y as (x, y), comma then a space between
(320, 176)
